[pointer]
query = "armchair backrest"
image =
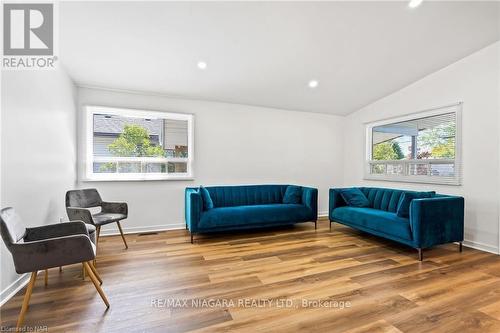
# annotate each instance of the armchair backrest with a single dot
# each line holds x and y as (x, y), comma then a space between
(12, 227)
(85, 198)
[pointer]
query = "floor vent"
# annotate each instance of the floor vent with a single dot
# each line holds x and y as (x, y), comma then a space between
(148, 233)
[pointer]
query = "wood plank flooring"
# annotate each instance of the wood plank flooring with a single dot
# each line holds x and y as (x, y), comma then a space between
(294, 279)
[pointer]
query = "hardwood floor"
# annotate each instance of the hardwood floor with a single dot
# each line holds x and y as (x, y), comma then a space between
(352, 282)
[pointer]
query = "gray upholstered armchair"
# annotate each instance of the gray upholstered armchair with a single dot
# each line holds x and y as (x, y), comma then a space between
(44, 247)
(78, 203)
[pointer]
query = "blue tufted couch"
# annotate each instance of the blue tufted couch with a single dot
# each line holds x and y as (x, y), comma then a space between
(248, 206)
(432, 221)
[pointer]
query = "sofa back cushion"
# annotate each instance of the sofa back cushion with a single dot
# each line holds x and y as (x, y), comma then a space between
(207, 200)
(354, 197)
(246, 195)
(405, 201)
(293, 195)
(384, 198)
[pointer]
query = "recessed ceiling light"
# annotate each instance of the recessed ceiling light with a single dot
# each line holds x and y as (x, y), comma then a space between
(415, 3)
(202, 65)
(313, 84)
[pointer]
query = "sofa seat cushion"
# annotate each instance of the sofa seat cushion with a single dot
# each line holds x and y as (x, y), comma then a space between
(256, 214)
(374, 219)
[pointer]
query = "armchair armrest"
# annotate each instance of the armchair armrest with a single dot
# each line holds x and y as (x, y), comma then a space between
(52, 252)
(334, 200)
(437, 220)
(79, 214)
(193, 208)
(115, 207)
(310, 200)
(55, 230)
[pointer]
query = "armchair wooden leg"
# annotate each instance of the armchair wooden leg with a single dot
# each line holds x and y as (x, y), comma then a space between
(26, 301)
(94, 270)
(460, 246)
(46, 277)
(192, 235)
(331, 225)
(316, 225)
(96, 283)
(121, 233)
(420, 254)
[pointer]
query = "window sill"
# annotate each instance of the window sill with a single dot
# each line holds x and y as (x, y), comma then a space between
(414, 179)
(136, 179)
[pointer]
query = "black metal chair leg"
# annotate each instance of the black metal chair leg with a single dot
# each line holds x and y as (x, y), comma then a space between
(192, 238)
(460, 246)
(420, 254)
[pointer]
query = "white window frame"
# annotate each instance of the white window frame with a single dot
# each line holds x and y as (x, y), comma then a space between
(88, 132)
(455, 180)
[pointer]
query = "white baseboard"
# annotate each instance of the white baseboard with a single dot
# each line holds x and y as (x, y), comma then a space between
(323, 214)
(13, 288)
(481, 246)
(138, 230)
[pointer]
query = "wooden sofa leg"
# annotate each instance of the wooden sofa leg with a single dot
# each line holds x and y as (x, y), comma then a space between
(192, 238)
(331, 225)
(316, 225)
(460, 246)
(420, 254)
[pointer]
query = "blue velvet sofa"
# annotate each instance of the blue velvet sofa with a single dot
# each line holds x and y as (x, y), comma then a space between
(246, 207)
(431, 221)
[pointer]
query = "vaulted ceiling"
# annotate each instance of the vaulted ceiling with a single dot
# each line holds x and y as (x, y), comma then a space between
(265, 53)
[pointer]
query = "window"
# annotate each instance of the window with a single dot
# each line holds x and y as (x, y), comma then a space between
(125, 144)
(422, 148)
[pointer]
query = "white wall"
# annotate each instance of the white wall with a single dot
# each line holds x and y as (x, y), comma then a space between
(475, 81)
(234, 144)
(38, 151)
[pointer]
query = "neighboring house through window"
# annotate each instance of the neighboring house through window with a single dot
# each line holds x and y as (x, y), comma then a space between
(125, 144)
(423, 147)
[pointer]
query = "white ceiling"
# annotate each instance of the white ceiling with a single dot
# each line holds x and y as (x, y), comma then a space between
(264, 53)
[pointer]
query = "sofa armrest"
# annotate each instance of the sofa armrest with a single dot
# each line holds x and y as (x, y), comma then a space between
(193, 208)
(437, 220)
(310, 200)
(334, 200)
